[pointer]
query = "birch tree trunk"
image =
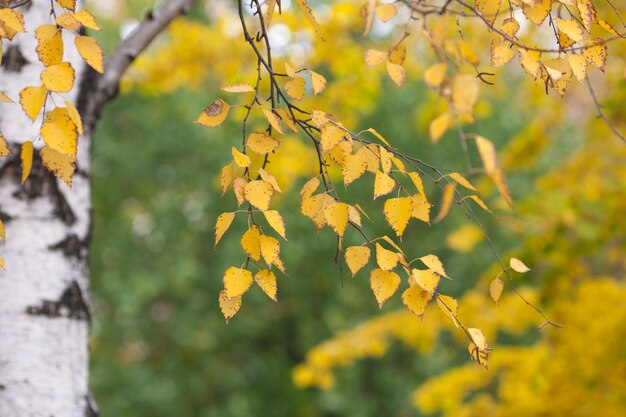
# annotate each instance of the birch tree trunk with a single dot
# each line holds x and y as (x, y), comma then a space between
(44, 313)
(44, 293)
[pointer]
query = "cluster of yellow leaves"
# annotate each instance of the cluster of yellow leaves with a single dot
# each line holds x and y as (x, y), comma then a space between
(61, 125)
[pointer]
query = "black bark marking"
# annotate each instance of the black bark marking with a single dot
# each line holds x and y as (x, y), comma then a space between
(72, 246)
(40, 182)
(91, 408)
(13, 60)
(71, 304)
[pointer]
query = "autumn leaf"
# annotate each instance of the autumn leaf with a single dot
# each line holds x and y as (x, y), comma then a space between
(398, 213)
(384, 284)
(357, 257)
(267, 281)
(416, 299)
(229, 306)
(259, 193)
(89, 49)
(518, 266)
(275, 220)
(26, 155)
(222, 224)
(215, 114)
(237, 281)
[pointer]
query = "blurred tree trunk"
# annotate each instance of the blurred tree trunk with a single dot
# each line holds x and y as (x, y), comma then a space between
(44, 293)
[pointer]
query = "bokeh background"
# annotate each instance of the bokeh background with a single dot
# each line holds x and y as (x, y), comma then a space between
(160, 346)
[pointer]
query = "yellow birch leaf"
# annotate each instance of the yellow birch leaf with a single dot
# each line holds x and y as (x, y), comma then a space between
(386, 12)
(354, 216)
(510, 27)
(336, 216)
(309, 187)
(59, 131)
(383, 184)
(27, 159)
(465, 238)
(399, 164)
(267, 281)
(238, 88)
(269, 13)
(538, 12)
(295, 88)
(49, 44)
(3, 97)
(67, 4)
(318, 82)
(518, 266)
(378, 136)
(357, 257)
(396, 73)
(251, 242)
(89, 49)
(367, 13)
(4, 147)
(446, 202)
(262, 143)
(416, 299)
(608, 27)
(11, 22)
(370, 154)
(286, 117)
(229, 306)
(570, 28)
(3, 235)
(87, 19)
(353, 167)
(239, 186)
(503, 189)
(313, 208)
(595, 52)
(468, 53)
(398, 213)
(226, 178)
(392, 243)
(461, 180)
(374, 57)
(74, 115)
(289, 70)
(267, 177)
(478, 338)
(433, 262)
(61, 165)
(487, 153)
(578, 63)
(319, 118)
(529, 60)
(270, 249)
(439, 126)
(464, 92)
(58, 77)
(449, 306)
(478, 355)
(587, 12)
(222, 224)
(273, 120)
(435, 75)
(275, 220)
(564, 40)
(241, 159)
(480, 202)
(495, 289)
(489, 9)
(340, 152)
(32, 99)
(417, 181)
(384, 284)
(279, 264)
(500, 55)
(236, 281)
(214, 115)
(68, 21)
(386, 158)
(421, 208)
(386, 259)
(304, 8)
(397, 54)
(426, 279)
(330, 136)
(259, 194)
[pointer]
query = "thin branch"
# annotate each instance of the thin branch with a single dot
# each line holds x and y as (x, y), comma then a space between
(601, 113)
(107, 84)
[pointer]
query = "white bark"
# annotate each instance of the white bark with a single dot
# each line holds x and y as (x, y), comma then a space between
(44, 323)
